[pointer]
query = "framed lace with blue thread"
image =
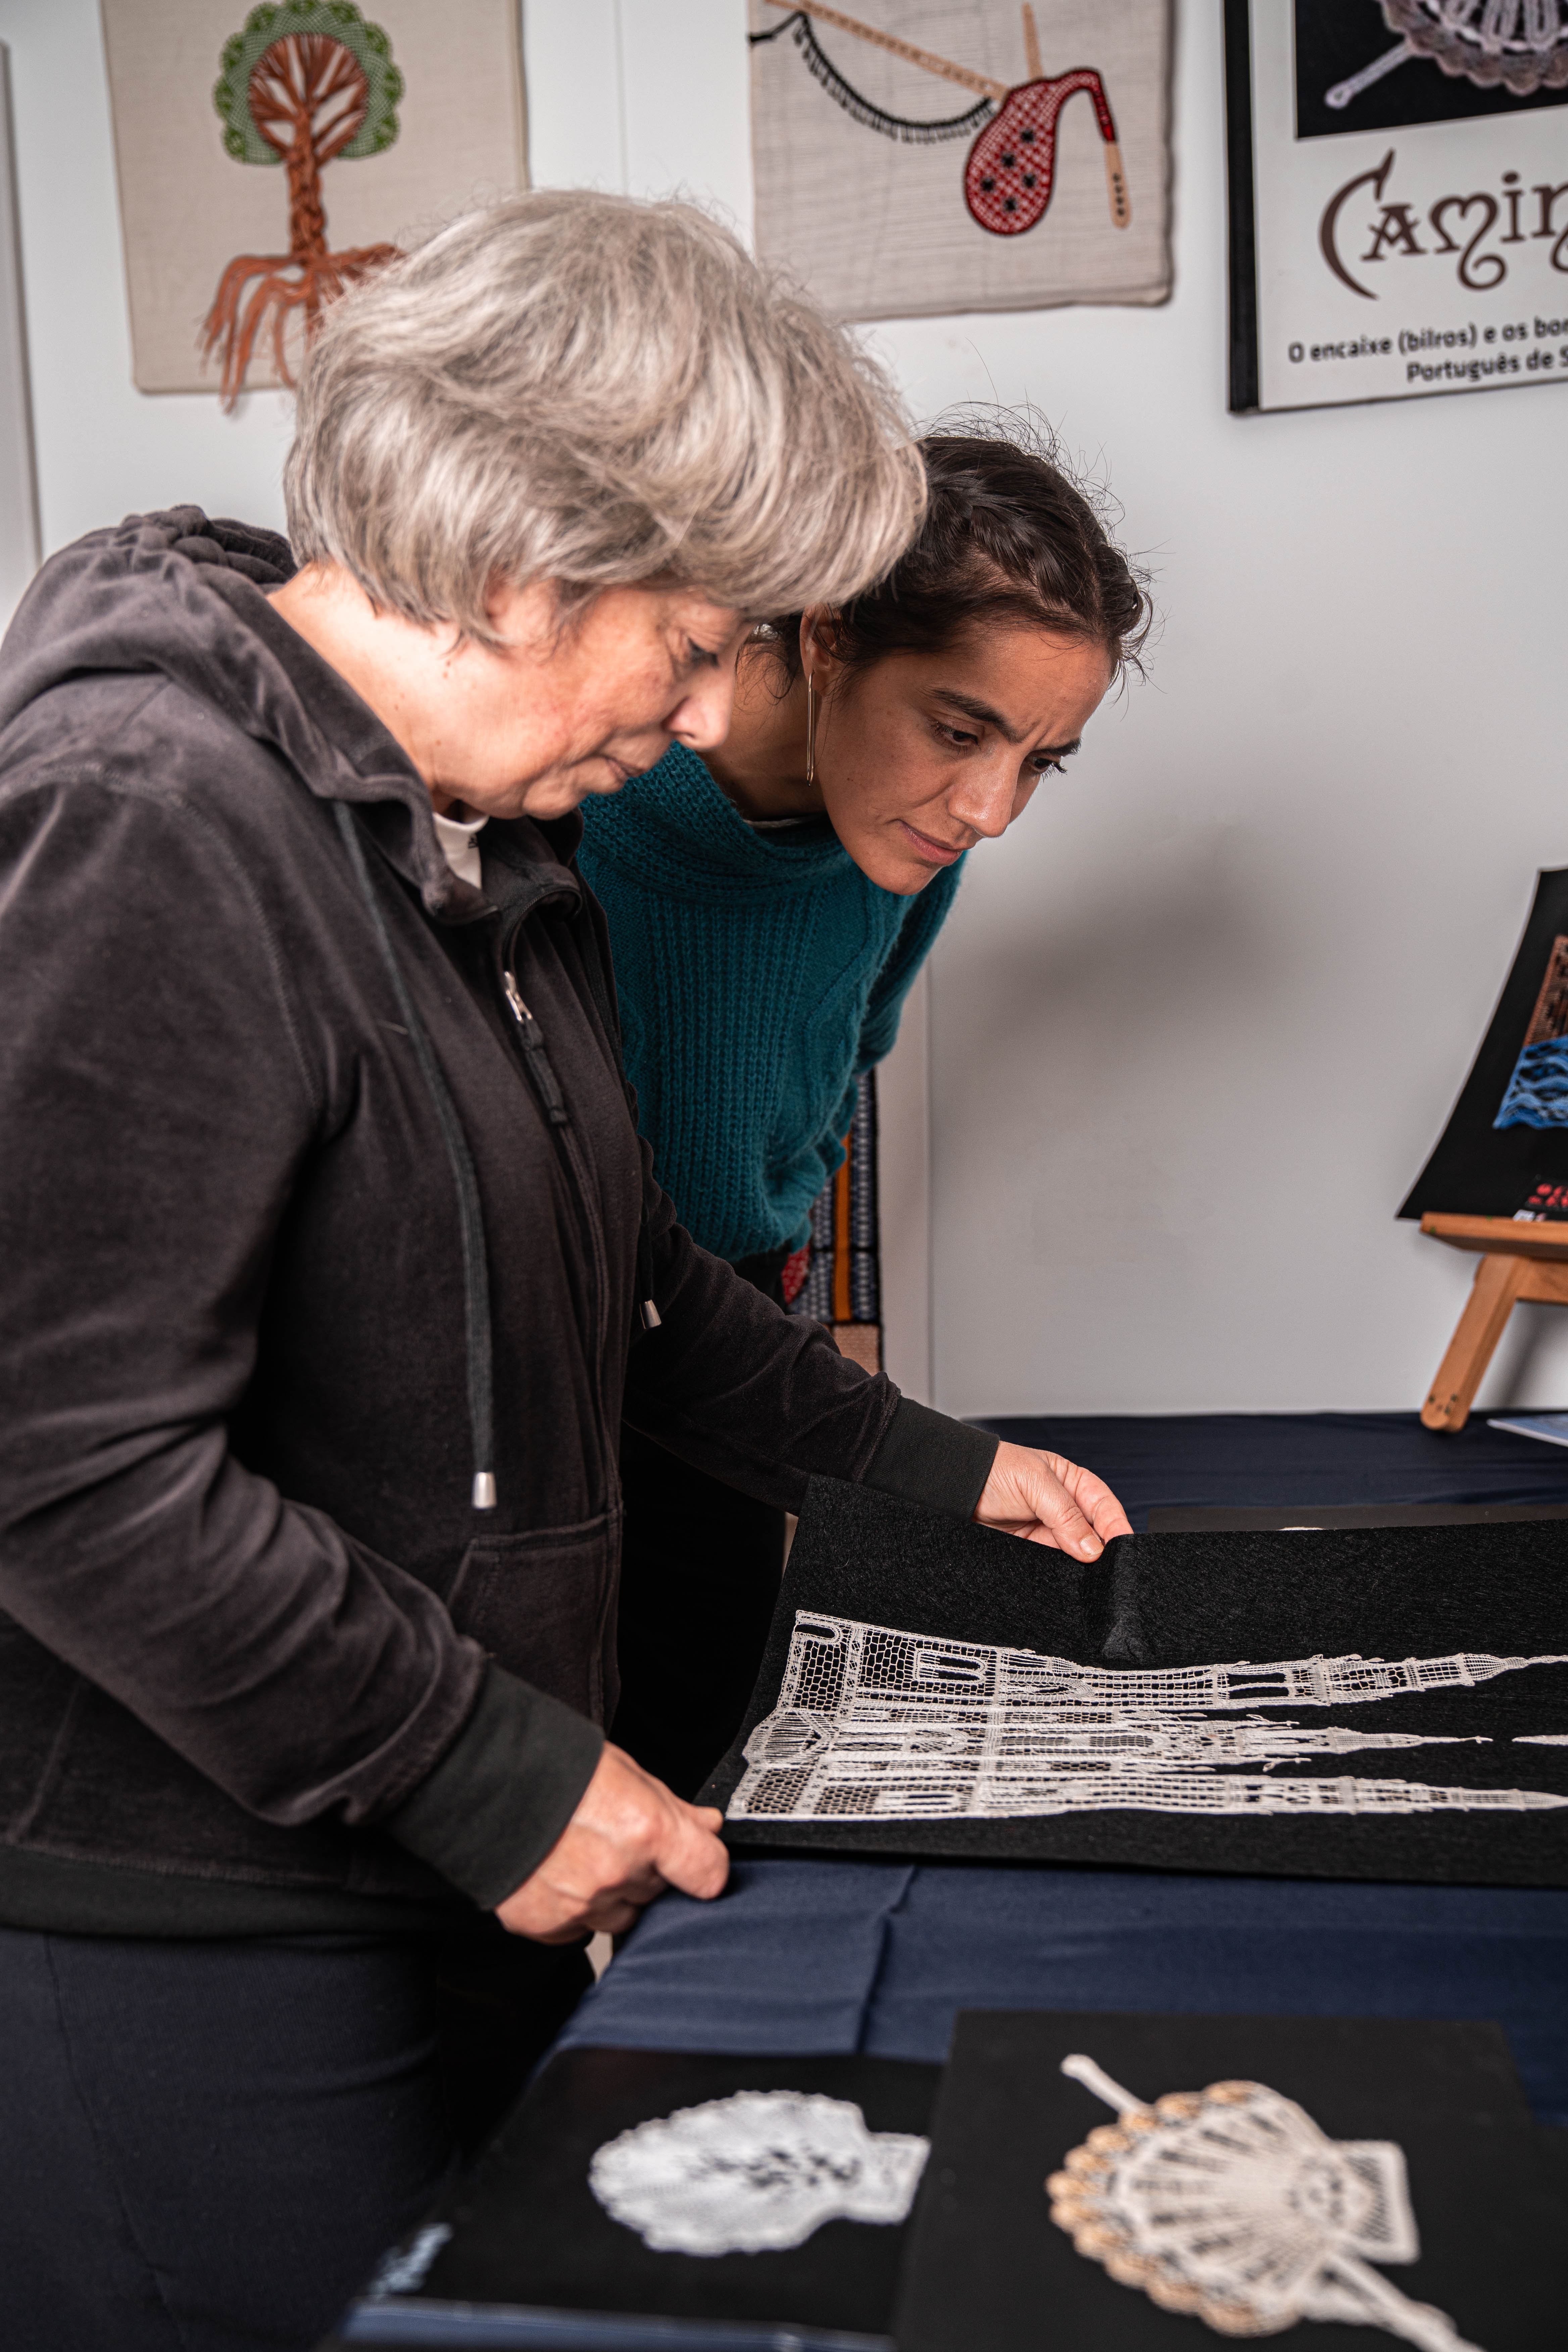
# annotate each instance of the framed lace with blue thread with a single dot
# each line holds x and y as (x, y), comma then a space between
(1504, 1151)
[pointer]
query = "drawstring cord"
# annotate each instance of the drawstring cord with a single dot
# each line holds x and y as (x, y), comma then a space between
(470, 1219)
(647, 1313)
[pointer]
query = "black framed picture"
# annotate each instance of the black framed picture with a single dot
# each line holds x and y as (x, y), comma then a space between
(1504, 1151)
(1398, 175)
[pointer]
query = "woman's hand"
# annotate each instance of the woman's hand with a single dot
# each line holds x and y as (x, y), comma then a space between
(628, 1840)
(1049, 1500)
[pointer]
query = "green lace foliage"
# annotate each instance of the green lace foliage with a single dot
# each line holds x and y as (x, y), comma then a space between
(339, 20)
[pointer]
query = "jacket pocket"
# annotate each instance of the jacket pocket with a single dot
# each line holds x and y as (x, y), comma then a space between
(543, 1604)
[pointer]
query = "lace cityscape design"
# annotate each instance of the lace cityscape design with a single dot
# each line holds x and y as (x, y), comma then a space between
(1231, 2204)
(754, 2173)
(874, 1723)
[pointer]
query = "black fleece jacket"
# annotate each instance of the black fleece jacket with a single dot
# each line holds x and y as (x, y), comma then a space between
(263, 1664)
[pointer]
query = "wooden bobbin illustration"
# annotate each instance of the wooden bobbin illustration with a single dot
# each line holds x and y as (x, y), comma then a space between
(1011, 169)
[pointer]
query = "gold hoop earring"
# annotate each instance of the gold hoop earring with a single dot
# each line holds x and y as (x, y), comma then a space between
(810, 731)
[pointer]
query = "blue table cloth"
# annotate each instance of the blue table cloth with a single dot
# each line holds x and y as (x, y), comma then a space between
(845, 1954)
(1268, 1460)
(879, 1957)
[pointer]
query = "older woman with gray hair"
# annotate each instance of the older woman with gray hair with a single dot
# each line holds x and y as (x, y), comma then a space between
(330, 1259)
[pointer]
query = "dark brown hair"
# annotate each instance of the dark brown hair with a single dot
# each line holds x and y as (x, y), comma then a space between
(1008, 538)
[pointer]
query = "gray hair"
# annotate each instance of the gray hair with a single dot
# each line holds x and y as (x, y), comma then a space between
(596, 391)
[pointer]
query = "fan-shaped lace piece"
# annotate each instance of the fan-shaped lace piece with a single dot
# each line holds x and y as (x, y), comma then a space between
(1519, 46)
(1520, 43)
(1230, 2204)
(754, 2173)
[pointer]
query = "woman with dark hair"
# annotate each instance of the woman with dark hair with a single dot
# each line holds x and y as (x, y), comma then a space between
(770, 903)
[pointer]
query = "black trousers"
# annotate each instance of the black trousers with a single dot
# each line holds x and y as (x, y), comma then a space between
(700, 1569)
(207, 2146)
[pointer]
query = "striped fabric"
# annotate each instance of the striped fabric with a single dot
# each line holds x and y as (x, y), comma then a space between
(843, 1287)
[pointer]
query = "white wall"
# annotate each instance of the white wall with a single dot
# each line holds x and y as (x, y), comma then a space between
(1195, 1026)
(18, 474)
(1198, 1022)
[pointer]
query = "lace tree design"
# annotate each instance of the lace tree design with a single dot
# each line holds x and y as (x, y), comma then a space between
(304, 82)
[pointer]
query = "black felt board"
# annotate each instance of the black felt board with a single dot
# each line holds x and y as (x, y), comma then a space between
(1203, 1518)
(1479, 1170)
(1186, 1599)
(528, 2237)
(987, 2266)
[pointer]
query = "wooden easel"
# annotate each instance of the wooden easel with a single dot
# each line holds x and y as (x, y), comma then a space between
(1517, 1261)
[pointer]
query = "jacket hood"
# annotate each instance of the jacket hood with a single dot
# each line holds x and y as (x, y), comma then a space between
(180, 595)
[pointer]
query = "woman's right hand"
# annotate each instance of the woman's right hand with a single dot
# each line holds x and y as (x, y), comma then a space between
(629, 1839)
(1049, 1500)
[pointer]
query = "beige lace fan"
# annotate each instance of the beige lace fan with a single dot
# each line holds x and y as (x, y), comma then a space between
(1231, 2205)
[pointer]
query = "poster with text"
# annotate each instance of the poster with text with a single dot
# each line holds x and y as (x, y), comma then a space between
(1398, 198)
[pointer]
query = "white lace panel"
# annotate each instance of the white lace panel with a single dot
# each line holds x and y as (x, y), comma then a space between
(873, 1723)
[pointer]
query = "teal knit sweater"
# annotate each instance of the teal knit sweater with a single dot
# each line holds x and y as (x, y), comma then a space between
(759, 973)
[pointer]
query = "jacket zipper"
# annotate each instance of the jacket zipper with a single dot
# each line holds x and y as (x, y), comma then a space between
(540, 1068)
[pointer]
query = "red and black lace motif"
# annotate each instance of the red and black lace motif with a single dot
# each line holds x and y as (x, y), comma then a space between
(1011, 171)
(1012, 165)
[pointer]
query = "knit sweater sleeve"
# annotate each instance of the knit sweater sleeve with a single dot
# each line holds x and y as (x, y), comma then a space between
(765, 1401)
(927, 914)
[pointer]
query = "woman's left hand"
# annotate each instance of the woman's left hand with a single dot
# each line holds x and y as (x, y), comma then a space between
(1049, 1500)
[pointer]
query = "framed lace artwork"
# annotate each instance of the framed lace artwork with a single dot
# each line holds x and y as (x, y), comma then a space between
(915, 157)
(268, 156)
(1504, 1151)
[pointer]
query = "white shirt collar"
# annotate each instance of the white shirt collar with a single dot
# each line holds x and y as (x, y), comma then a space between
(460, 840)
